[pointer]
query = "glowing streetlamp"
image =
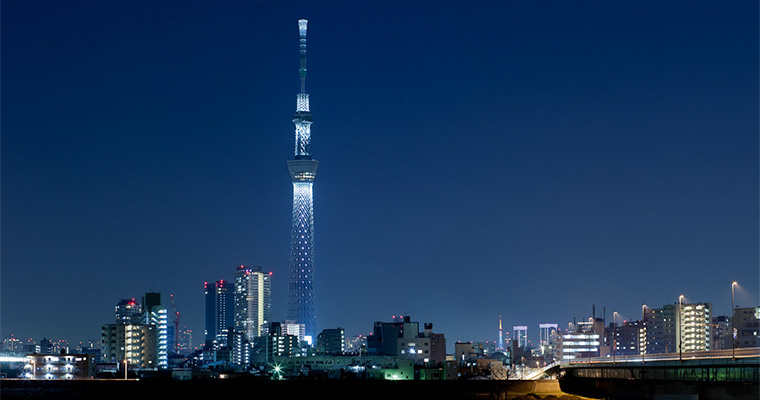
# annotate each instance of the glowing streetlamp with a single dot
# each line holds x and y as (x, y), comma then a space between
(733, 329)
(614, 334)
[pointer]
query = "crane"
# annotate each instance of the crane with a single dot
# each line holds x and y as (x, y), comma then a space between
(176, 325)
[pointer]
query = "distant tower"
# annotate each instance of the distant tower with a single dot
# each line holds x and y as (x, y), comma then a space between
(501, 335)
(303, 170)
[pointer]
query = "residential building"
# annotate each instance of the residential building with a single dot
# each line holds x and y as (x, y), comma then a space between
(661, 329)
(154, 313)
(134, 343)
(252, 301)
(746, 325)
(332, 341)
(721, 332)
(629, 338)
(59, 366)
(694, 327)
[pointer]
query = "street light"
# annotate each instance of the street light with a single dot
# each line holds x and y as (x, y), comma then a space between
(614, 341)
(680, 335)
(733, 328)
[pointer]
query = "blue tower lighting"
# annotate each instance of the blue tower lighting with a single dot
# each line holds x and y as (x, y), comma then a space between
(303, 170)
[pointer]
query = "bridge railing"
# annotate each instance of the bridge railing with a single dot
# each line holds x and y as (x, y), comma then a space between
(736, 354)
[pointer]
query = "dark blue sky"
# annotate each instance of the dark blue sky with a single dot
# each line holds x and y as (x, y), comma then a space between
(519, 158)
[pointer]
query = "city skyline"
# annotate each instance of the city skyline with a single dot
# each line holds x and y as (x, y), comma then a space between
(565, 156)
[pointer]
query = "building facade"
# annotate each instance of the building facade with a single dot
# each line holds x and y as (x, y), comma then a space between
(520, 333)
(332, 341)
(694, 327)
(661, 329)
(629, 338)
(136, 344)
(253, 301)
(59, 366)
(746, 325)
(220, 311)
(154, 313)
(128, 311)
(402, 338)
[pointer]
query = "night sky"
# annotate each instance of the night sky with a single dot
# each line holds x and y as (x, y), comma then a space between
(528, 159)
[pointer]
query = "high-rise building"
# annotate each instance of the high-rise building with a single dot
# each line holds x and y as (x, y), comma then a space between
(154, 313)
(661, 329)
(253, 301)
(694, 327)
(303, 170)
(220, 311)
(134, 343)
(628, 338)
(746, 323)
(545, 334)
(520, 333)
(403, 339)
(721, 332)
(332, 341)
(128, 311)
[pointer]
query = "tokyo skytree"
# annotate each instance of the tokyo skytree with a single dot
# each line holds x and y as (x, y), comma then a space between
(303, 170)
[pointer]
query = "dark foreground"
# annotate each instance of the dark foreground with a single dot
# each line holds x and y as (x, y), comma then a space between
(267, 389)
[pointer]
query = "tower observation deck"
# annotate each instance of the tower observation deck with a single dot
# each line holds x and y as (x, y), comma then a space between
(303, 170)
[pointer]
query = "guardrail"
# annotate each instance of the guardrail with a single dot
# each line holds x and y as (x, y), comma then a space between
(697, 355)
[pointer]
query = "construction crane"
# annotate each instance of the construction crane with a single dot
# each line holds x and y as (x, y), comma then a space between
(176, 325)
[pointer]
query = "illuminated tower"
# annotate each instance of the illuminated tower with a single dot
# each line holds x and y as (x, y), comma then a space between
(501, 337)
(302, 169)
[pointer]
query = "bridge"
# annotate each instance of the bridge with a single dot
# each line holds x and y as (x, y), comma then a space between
(721, 374)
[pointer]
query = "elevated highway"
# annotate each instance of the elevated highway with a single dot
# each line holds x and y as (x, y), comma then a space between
(722, 374)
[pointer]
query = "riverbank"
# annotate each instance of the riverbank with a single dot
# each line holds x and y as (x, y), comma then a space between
(285, 390)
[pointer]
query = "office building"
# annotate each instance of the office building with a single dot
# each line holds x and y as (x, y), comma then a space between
(128, 311)
(332, 341)
(253, 301)
(545, 334)
(403, 339)
(520, 333)
(220, 312)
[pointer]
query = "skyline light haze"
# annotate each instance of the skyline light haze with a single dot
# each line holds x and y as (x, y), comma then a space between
(527, 160)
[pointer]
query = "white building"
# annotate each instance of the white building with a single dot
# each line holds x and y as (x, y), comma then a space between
(693, 327)
(253, 301)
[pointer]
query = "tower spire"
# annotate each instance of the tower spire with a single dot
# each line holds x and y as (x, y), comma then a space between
(302, 71)
(303, 170)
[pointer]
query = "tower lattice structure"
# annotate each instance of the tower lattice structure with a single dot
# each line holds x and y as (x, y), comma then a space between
(303, 170)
